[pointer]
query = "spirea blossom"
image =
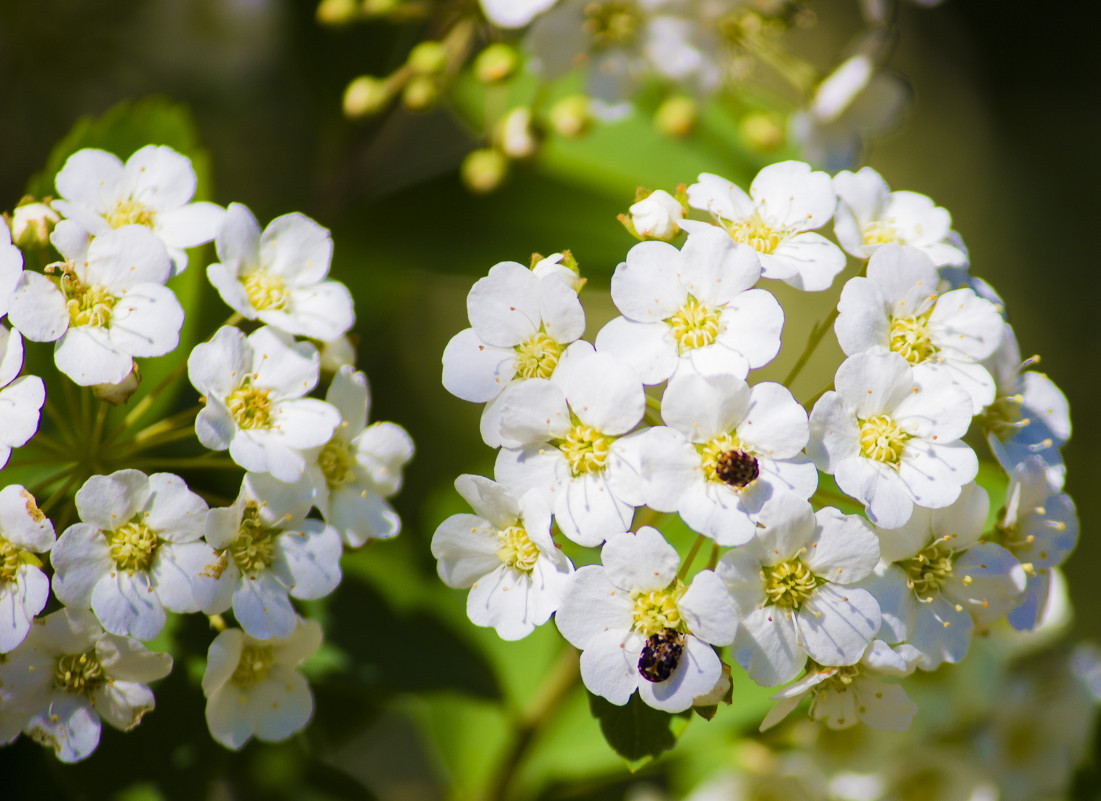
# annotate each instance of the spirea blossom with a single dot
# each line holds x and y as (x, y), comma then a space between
(24, 587)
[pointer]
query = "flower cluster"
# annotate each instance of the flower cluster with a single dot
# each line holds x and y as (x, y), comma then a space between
(534, 70)
(91, 575)
(850, 543)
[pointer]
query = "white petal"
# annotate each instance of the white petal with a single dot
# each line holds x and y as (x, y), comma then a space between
(837, 624)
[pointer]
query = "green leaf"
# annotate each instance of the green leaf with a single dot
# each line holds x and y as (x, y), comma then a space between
(635, 731)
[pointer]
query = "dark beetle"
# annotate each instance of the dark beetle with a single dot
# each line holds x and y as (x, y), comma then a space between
(661, 655)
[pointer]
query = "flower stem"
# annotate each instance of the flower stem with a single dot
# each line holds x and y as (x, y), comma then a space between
(813, 342)
(690, 556)
(205, 462)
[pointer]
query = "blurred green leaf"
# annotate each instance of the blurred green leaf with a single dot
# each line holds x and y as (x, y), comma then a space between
(635, 731)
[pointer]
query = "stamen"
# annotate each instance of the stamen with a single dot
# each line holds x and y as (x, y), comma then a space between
(538, 356)
(586, 449)
(516, 549)
(695, 325)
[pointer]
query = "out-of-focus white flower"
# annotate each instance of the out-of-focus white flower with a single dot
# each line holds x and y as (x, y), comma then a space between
(137, 553)
(514, 13)
(639, 627)
(505, 554)
(67, 675)
(24, 588)
(152, 189)
(254, 388)
(11, 267)
(786, 203)
(870, 215)
(898, 307)
(695, 305)
(726, 450)
(794, 588)
(253, 688)
(938, 579)
(890, 435)
(279, 276)
(266, 551)
(108, 305)
(21, 397)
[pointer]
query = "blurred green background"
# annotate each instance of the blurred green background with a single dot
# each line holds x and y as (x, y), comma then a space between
(1003, 132)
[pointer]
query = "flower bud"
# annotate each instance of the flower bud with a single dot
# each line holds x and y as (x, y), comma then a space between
(655, 216)
(420, 93)
(365, 96)
(32, 223)
(427, 58)
(337, 12)
(677, 116)
(570, 116)
(117, 394)
(495, 63)
(380, 8)
(484, 169)
(762, 131)
(516, 134)
(337, 353)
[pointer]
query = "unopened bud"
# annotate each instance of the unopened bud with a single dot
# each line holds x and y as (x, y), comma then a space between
(495, 63)
(762, 131)
(677, 116)
(365, 96)
(420, 93)
(380, 8)
(570, 116)
(337, 12)
(427, 58)
(483, 170)
(516, 134)
(336, 354)
(32, 223)
(655, 217)
(119, 393)
(561, 265)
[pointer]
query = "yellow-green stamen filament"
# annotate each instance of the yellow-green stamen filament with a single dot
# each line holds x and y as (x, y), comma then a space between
(537, 357)
(790, 584)
(929, 570)
(130, 212)
(911, 338)
(337, 463)
(86, 304)
(250, 406)
(657, 610)
(695, 325)
(133, 545)
(882, 439)
(586, 449)
(253, 667)
(254, 547)
(78, 673)
(880, 232)
(516, 549)
(266, 291)
(756, 233)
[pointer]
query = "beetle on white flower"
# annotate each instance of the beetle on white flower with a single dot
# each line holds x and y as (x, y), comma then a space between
(67, 675)
(786, 203)
(695, 305)
(640, 627)
(279, 276)
(254, 388)
(136, 553)
(153, 189)
(253, 687)
(505, 554)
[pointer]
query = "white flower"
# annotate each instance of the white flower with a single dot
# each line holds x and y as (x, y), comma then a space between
(505, 554)
(266, 551)
(137, 552)
(24, 588)
(521, 322)
(67, 675)
(279, 276)
(640, 627)
(108, 305)
(254, 390)
(793, 587)
(871, 215)
(1039, 526)
(692, 305)
(152, 189)
(728, 449)
(31, 225)
(938, 578)
(898, 307)
(573, 450)
(514, 13)
(21, 398)
(786, 203)
(843, 696)
(355, 471)
(252, 686)
(890, 434)
(1030, 415)
(656, 216)
(11, 267)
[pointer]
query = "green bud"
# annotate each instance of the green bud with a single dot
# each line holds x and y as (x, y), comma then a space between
(366, 95)
(483, 170)
(762, 131)
(677, 116)
(380, 8)
(495, 63)
(570, 116)
(337, 12)
(420, 93)
(516, 134)
(428, 58)
(32, 223)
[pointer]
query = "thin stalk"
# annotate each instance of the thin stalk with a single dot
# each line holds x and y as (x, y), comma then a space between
(61, 492)
(690, 556)
(63, 427)
(168, 424)
(714, 558)
(48, 443)
(142, 406)
(97, 427)
(85, 411)
(156, 440)
(814, 399)
(185, 462)
(813, 342)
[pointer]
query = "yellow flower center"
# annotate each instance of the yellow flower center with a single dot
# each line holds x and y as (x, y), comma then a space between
(910, 337)
(249, 406)
(537, 357)
(657, 610)
(756, 233)
(882, 439)
(253, 667)
(266, 291)
(254, 547)
(880, 232)
(87, 305)
(133, 545)
(929, 570)
(586, 449)
(790, 584)
(517, 550)
(695, 325)
(337, 463)
(78, 673)
(726, 459)
(9, 561)
(614, 23)
(130, 212)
